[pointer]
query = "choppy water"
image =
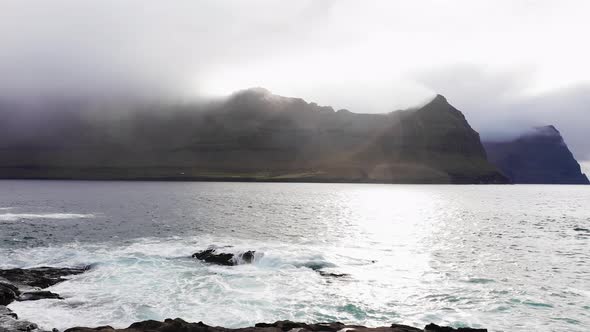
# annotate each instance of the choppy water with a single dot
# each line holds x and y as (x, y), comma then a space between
(514, 258)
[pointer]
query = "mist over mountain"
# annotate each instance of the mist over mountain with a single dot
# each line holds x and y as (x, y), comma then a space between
(252, 135)
(365, 58)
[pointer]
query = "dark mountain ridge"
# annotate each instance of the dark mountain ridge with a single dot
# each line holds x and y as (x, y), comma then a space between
(252, 135)
(539, 156)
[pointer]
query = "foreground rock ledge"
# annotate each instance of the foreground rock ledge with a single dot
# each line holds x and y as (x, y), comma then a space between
(26, 285)
(179, 325)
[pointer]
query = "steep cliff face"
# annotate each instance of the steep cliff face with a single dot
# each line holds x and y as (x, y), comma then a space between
(437, 140)
(253, 135)
(539, 156)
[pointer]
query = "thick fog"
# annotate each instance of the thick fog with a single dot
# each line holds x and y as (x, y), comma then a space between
(507, 65)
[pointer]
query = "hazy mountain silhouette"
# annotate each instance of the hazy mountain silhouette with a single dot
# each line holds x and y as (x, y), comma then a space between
(252, 135)
(538, 156)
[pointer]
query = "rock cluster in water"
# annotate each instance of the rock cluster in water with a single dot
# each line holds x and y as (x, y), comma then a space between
(26, 285)
(178, 324)
(212, 256)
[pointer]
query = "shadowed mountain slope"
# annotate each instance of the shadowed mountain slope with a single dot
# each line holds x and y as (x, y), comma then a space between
(252, 135)
(540, 156)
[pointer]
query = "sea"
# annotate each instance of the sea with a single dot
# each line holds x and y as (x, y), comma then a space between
(503, 257)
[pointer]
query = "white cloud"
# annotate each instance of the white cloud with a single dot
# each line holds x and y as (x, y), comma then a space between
(490, 57)
(302, 47)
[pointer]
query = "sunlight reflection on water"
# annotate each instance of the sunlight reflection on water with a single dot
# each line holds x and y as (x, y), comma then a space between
(494, 256)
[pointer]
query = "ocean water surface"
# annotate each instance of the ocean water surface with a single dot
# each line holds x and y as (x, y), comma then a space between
(508, 258)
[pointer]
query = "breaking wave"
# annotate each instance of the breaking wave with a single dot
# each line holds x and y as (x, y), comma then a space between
(161, 279)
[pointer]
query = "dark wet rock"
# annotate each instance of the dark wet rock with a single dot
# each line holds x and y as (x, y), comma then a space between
(404, 328)
(38, 295)
(100, 328)
(320, 267)
(41, 277)
(332, 275)
(12, 279)
(435, 328)
(286, 325)
(4, 311)
(11, 325)
(212, 256)
(248, 256)
(9, 322)
(315, 266)
(8, 293)
(171, 325)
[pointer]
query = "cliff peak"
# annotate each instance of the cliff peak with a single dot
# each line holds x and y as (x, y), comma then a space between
(437, 104)
(438, 100)
(548, 130)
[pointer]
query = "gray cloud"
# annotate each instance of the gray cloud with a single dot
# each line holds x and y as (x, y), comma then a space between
(138, 48)
(343, 53)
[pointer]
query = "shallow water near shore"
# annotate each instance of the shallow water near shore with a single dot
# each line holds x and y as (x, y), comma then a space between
(508, 258)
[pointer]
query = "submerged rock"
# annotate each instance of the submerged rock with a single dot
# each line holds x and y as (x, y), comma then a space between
(41, 277)
(211, 256)
(331, 274)
(178, 324)
(38, 295)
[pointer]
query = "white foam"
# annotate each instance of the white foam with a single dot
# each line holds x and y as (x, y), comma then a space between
(23, 216)
(157, 279)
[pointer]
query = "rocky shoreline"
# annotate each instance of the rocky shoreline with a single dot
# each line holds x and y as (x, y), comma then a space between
(171, 325)
(29, 284)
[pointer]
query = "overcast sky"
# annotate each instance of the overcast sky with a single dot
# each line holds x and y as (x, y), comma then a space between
(506, 64)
